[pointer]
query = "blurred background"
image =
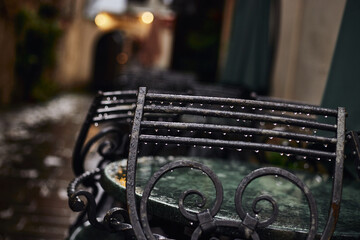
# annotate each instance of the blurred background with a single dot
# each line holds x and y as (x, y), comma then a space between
(274, 47)
(55, 54)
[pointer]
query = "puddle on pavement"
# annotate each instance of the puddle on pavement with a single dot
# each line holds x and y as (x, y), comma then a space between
(36, 143)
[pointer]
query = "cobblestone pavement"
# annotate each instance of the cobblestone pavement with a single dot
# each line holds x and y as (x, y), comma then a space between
(36, 145)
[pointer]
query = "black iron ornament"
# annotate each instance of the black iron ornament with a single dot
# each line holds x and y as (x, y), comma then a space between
(240, 118)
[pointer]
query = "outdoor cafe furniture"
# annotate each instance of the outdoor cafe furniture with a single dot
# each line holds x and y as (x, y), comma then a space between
(186, 166)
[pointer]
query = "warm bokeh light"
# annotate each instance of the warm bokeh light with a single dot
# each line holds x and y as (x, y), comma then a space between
(121, 178)
(122, 58)
(147, 17)
(104, 21)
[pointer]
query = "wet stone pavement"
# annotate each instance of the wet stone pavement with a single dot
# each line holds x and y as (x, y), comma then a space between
(36, 143)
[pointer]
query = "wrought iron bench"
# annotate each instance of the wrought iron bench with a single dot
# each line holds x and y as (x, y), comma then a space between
(106, 128)
(301, 133)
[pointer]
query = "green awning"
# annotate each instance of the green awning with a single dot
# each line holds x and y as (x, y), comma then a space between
(343, 84)
(247, 63)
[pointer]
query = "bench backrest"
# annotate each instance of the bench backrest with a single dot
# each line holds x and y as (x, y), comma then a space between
(318, 134)
(113, 111)
(116, 108)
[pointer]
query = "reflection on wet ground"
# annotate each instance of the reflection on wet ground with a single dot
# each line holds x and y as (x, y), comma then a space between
(36, 144)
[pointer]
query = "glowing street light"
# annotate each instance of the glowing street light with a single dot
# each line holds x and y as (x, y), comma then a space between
(147, 17)
(104, 21)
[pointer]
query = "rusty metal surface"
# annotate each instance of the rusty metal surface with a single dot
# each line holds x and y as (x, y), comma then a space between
(131, 166)
(338, 177)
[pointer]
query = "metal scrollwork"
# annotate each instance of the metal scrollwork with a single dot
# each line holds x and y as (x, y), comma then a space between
(114, 220)
(206, 221)
(110, 149)
(106, 149)
(205, 218)
(253, 223)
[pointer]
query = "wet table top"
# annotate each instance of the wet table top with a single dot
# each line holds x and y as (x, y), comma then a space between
(292, 221)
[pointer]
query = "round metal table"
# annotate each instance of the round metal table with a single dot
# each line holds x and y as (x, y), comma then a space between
(292, 221)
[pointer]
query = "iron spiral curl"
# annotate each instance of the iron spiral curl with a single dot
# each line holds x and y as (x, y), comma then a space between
(113, 221)
(190, 216)
(109, 149)
(248, 221)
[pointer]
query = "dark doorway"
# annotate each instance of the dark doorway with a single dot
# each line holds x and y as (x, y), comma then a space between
(197, 37)
(106, 66)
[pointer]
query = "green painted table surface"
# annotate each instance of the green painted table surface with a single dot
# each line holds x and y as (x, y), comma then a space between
(293, 219)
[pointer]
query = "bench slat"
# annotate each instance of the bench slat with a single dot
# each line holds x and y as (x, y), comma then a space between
(236, 144)
(245, 102)
(241, 115)
(235, 129)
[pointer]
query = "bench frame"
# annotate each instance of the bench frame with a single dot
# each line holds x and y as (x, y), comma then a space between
(206, 220)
